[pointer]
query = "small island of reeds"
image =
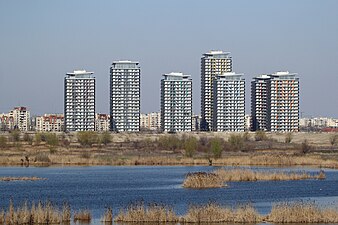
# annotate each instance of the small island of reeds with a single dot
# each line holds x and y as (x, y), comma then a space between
(21, 178)
(217, 178)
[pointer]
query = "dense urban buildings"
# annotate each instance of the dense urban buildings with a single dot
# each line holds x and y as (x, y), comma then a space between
(275, 102)
(102, 122)
(79, 103)
(49, 122)
(125, 96)
(213, 63)
(18, 118)
(150, 121)
(229, 103)
(176, 102)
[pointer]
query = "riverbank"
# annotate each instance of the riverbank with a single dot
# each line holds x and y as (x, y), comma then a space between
(219, 149)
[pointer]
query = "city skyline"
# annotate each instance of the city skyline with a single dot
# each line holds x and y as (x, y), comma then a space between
(40, 43)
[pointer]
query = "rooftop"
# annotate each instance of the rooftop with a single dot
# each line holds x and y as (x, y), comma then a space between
(80, 72)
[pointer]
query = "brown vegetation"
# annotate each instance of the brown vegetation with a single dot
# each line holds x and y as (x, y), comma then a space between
(40, 214)
(251, 175)
(302, 212)
(168, 149)
(213, 213)
(217, 178)
(138, 212)
(82, 215)
(203, 180)
(21, 178)
(108, 215)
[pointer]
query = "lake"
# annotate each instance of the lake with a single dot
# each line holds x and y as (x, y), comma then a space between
(98, 187)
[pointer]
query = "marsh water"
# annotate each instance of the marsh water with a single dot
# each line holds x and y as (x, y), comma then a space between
(95, 188)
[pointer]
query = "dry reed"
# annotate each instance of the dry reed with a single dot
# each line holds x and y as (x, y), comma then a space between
(218, 178)
(138, 212)
(214, 213)
(40, 214)
(108, 215)
(302, 212)
(203, 180)
(250, 175)
(21, 178)
(82, 215)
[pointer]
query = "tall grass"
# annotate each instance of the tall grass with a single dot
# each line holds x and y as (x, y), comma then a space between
(251, 175)
(138, 212)
(42, 213)
(302, 212)
(82, 215)
(218, 178)
(203, 180)
(108, 215)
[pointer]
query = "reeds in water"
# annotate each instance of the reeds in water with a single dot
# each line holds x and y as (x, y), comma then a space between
(40, 214)
(218, 178)
(82, 215)
(302, 212)
(138, 212)
(214, 213)
(203, 180)
(108, 215)
(21, 178)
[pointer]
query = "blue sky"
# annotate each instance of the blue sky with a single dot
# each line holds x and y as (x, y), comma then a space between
(42, 40)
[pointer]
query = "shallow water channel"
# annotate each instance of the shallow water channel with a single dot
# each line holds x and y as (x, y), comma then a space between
(98, 187)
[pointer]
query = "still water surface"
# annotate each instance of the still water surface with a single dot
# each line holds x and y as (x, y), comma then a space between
(97, 187)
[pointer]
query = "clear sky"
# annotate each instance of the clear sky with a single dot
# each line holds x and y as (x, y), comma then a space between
(42, 40)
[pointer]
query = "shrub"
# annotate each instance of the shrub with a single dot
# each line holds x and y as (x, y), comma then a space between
(260, 136)
(305, 147)
(169, 142)
(216, 147)
(27, 138)
(38, 138)
(15, 135)
(236, 142)
(3, 142)
(333, 139)
(52, 139)
(288, 138)
(87, 138)
(190, 146)
(105, 138)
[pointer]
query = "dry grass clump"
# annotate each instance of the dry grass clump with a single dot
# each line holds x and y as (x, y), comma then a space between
(108, 215)
(82, 215)
(203, 180)
(214, 213)
(21, 178)
(250, 175)
(39, 214)
(2, 216)
(153, 213)
(302, 212)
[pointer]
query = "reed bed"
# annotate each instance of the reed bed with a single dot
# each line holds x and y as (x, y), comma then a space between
(250, 175)
(21, 178)
(35, 214)
(138, 212)
(302, 212)
(214, 213)
(108, 215)
(82, 215)
(200, 180)
(217, 178)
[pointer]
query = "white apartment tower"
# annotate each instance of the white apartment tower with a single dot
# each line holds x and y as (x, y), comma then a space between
(176, 102)
(283, 102)
(79, 104)
(213, 63)
(259, 101)
(229, 103)
(125, 96)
